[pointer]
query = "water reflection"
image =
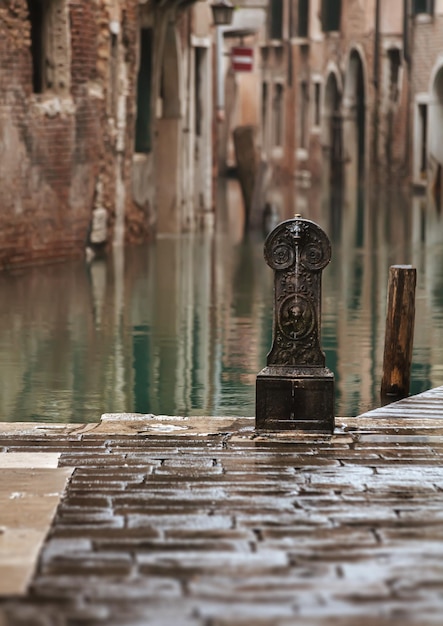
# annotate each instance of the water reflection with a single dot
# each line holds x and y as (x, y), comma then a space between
(368, 235)
(183, 326)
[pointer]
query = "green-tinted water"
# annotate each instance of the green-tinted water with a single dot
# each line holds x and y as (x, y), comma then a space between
(183, 326)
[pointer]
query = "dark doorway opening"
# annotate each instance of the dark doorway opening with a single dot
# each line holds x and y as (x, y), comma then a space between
(36, 11)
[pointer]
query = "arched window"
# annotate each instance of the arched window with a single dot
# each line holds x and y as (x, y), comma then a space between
(394, 57)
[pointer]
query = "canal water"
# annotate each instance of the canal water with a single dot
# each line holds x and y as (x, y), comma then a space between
(183, 326)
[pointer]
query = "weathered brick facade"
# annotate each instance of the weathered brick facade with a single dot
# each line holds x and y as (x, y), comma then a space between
(61, 148)
(347, 90)
(426, 49)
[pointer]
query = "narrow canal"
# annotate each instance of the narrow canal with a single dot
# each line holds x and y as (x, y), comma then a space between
(182, 326)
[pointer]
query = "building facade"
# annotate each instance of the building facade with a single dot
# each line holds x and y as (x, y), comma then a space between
(352, 88)
(426, 51)
(117, 115)
(106, 112)
(172, 163)
(66, 75)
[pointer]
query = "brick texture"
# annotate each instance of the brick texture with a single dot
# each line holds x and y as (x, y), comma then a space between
(55, 146)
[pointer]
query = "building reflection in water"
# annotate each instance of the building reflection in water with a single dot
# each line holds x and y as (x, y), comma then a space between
(371, 232)
(183, 326)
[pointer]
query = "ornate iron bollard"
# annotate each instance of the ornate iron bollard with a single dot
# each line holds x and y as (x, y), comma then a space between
(295, 390)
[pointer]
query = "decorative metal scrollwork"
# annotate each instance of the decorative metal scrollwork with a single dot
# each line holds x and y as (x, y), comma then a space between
(297, 250)
(313, 245)
(296, 317)
(283, 256)
(315, 256)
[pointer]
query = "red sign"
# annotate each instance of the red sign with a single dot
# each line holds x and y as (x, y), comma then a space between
(242, 59)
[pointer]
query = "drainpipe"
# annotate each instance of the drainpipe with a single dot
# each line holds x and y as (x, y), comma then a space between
(375, 80)
(406, 42)
(407, 166)
(220, 72)
(376, 68)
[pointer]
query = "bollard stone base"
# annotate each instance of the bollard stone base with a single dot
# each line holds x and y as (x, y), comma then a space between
(289, 398)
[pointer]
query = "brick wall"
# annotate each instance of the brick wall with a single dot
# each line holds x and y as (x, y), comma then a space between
(333, 52)
(54, 147)
(387, 132)
(427, 47)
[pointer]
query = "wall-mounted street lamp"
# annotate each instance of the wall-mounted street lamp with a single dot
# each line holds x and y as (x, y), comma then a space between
(222, 12)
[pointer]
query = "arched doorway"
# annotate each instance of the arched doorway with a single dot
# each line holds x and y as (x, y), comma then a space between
(332, 140)
(434, 142)
(332, 132)
(354, 127)
(168, 125)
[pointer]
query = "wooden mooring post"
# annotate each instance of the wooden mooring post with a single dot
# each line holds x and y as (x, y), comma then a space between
(399, 333)
(246, 155)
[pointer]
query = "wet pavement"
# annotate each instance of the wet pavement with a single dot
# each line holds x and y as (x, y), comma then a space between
(205, 522)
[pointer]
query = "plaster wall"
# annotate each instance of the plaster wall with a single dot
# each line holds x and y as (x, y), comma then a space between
(315, 30)
(167, 163)
(391, 17)
(202, 20)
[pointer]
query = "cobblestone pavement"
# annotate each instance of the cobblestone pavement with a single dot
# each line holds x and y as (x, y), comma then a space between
(203, 522)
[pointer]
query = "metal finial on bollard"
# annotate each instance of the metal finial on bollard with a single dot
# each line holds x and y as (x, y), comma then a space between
(295, 390)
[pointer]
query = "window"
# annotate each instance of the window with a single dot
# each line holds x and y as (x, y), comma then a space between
(35, 8)
(304, 106)
(199, 65)
(303, 18)
(394, 57)
(423, 124)
(264, 111)
(330, 15)
(278, 114)
(276, 20)
(50, 46)
(143, 122)
(317, 94)
(113, 76)
(423, 6)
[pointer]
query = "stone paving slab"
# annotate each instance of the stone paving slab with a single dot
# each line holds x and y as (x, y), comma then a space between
(30, 490)
(203, 521)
